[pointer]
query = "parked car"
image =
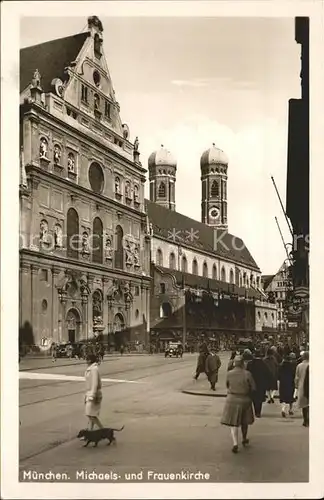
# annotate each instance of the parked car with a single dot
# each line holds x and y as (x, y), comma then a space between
(174, 349)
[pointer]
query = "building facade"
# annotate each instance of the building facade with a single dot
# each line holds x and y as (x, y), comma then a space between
(84, 236)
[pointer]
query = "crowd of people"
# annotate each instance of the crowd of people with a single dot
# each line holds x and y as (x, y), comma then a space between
(255, 376)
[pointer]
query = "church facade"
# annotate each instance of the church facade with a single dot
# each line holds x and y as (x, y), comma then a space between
(205, 282)
(84, 238)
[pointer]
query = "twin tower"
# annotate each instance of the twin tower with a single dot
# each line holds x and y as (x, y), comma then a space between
(213, 165)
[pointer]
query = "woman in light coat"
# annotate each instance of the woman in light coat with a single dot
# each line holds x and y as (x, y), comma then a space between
(238, 410)
(302, 397)
(93, 395)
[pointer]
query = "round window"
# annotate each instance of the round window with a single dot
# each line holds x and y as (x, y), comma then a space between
(96, 177)
(96, 78)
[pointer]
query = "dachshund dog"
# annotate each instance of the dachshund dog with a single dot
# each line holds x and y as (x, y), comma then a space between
(97, 435)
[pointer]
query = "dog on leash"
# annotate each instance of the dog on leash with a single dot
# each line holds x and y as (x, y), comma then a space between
(97, 435)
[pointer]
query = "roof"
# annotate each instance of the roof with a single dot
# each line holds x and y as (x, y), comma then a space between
(266, 280)
(213, 155)
(193, 281)
(162, 158)
(50, 58)
(187, 232)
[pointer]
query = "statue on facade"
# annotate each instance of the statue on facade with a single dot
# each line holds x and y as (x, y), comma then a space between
(58, 236)
(71, 163)
(136, 255)
(129, 254)
(43, 148)
(136, 194)
(36, 79)
(125, 131)
(85, 243)
(127, 190)
(117, 185)
(108, 248)
(57, 154)
(43, 233)
(136, 144)
(96, 102)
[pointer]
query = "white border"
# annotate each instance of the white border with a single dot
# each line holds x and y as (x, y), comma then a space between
(11, 12)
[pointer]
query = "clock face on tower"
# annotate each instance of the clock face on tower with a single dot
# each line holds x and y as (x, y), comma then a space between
(214, 212)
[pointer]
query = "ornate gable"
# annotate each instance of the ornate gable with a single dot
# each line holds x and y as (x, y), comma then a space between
(89, 87)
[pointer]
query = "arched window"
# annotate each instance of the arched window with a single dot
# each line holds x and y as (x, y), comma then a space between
(159, 257)
(214, 191)
(244, 279)
(162, 190)
(97, 241)
(72, 230)
(223, 274)
(165, 310)
(258, 282)
(172, 261)
(252, 279)
(184, 264)
(214, 272)
(194, 267)
(119, 249)
(232, 277)
(205, 270)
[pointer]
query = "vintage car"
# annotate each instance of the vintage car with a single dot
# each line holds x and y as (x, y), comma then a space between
(174, 349)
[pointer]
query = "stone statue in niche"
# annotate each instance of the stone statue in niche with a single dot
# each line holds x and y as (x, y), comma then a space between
(43, 148)
(127, 190)
(136, 255)
(96, 102)
(43, 232)
(136, 144)
(57, 154)
(117, 185)
(108, 248)
(136, 194)
(71, 163)
(85, 243)
(129, 254)
(36, 79)
(58, 236)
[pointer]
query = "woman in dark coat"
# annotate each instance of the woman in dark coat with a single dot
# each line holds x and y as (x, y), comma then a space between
(238, 410)
(286, 377)
(272, 378)
(260, 375)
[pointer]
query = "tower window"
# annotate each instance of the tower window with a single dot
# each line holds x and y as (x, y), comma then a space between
(194, 267)
(214, 191)
(162, 190)
(172, 261)
(84, 93)
(205, 270)
(107, 109)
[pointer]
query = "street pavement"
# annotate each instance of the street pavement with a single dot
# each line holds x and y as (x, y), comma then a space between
(165, 430)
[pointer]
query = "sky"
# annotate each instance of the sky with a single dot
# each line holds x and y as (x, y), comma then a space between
(189, 82)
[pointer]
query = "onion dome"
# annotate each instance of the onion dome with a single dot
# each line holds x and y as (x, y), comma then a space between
(213, 155)
(162, 158)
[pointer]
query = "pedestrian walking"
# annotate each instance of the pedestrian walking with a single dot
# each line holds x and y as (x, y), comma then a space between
(54, 352)
(212, 366)
(302, 387)
(238, 411)
(201, 362)
(93, 396)
(272, 379)
(286, 377)
(260, 375)
(230, 365)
